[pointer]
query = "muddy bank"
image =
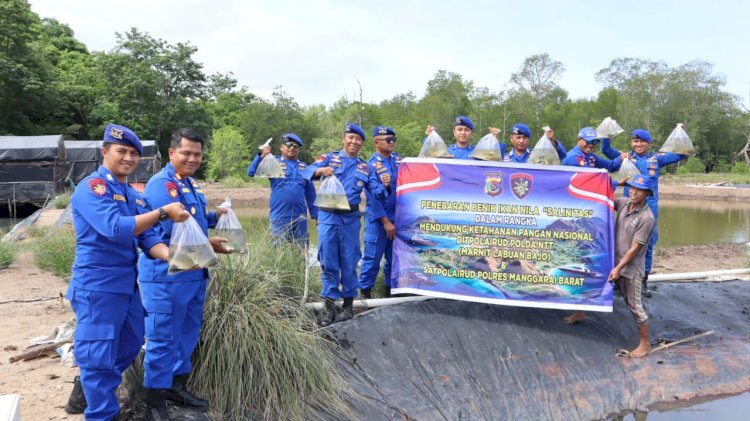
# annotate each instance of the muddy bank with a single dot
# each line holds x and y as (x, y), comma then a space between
(443, 359)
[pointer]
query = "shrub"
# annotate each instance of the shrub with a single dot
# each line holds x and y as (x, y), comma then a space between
(7, 254)
(56, 251)
(740, 167)
(693, 165)
(62, 201)
(259, 351)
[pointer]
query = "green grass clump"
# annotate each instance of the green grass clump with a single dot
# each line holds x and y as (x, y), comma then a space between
(62, 201)
(7, 254)
(259, 351)
(56, 252)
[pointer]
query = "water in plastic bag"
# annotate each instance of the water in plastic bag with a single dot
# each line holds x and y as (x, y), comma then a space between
(434, 147)
(230, 228)
(544, 153)
(627, 170)
(189, 248)
(269, 167)
(609, 128)
(332, 195)
(678, 142)
(487, 149)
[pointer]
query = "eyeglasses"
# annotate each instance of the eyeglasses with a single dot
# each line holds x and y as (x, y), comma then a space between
(390, 139)
(292, 145)
(592, 142)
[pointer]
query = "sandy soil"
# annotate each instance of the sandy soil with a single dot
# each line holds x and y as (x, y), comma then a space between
(44, 384)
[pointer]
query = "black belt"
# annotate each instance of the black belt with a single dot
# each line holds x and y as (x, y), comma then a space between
(354, 208)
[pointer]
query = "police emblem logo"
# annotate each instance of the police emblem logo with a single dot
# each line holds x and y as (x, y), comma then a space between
(458, 120)
(382, 130)
(493, 183)
(116, 133)
(139, 202)
(515, 130)
(581, 161)
(172, 190)
(520, 184)
(192, 210)
(360, 183)
(98, 186)
(320, 158)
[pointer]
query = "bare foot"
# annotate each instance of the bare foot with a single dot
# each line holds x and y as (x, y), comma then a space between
(641, 351)
(574, 318)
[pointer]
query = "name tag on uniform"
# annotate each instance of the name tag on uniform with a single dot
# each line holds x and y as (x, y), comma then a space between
(119, 197)
(186, 190)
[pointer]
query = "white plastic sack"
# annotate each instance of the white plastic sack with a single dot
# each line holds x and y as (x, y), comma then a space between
(434, 147)
(678, 142)
(189, 248)
(332, 195)
(230, 228)
(488, 149)
(627, 170)
(269, 167)
(609, 128)
(544, 153)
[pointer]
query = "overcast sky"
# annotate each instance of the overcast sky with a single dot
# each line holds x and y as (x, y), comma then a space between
(318, 50)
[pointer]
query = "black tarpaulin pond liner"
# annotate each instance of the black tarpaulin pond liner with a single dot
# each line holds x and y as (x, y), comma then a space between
(84, 157)
(442, 359)
(31, 168)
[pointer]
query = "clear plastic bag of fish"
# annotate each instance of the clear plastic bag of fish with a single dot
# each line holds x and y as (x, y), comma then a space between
(678, 142)
(189, 248)
(609, 128)
(332, 195)
(487, 149)
(627, 170)
(229, 227)
(544, 153)
(269, 167)
(434, 147)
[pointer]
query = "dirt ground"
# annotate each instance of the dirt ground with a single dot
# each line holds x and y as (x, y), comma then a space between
(31, 304)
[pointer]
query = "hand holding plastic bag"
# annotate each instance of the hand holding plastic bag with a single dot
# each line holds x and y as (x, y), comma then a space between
(544, 153)
(332, 195)
(434, 147)
(487, 149)
(269, 167)
(609, 128)
(678, 142)
(230, 228)
(627, 170)
(189, 248)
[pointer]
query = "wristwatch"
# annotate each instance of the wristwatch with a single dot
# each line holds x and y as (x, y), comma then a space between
(163, 214)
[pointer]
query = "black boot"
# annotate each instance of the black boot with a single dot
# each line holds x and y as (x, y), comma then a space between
(180, 396)
(330, 316)
(156, 403)
(348, 312)
(77, 400)
(387, 291)
(646, 291)
(366, 293)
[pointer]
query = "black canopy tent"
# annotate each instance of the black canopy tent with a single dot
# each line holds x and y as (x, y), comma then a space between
(85, 156)
(31, 168)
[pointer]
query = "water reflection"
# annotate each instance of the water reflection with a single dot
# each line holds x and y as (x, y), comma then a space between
(702, 222)
(728, 409)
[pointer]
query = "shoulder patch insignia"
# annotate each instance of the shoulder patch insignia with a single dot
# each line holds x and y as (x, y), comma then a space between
(320, 158)
(172, 189)
(139, 202)
(98, 186)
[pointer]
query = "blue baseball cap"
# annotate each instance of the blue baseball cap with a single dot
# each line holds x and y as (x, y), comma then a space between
(520, 128)
(114, 133)
(383, 131)
(463, 121)
(641, 134)
(588, 134)
(353, 128)
(293, 137)
(641, 182)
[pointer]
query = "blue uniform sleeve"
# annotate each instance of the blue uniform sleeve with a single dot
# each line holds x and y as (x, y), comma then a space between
(375, 206)
(320, 162)
(561, 152)
(213, 218)
(376, 188)
(253, 166)
(570, 160)
(668, 158)
(608, 150)
(101, 211)
(310, 196)
(160, 192)
(152, 236)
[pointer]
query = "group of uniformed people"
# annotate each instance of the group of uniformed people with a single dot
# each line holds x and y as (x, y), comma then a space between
(338, 231)
(120, 295)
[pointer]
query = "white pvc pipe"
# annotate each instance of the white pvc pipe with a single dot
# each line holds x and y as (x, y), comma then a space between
(379, 302)
(696, 275)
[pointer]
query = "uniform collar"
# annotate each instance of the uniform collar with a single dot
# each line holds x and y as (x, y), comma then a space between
(643, 206)
(513, 153)
(343, 155)
(107, 174)
(173, 173)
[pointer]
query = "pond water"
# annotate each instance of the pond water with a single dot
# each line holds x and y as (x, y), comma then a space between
(727, 409)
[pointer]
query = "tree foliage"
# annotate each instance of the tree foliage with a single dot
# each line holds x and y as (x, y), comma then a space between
(51, 83)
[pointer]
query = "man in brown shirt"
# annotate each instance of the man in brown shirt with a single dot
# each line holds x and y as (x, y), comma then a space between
(633, 226)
